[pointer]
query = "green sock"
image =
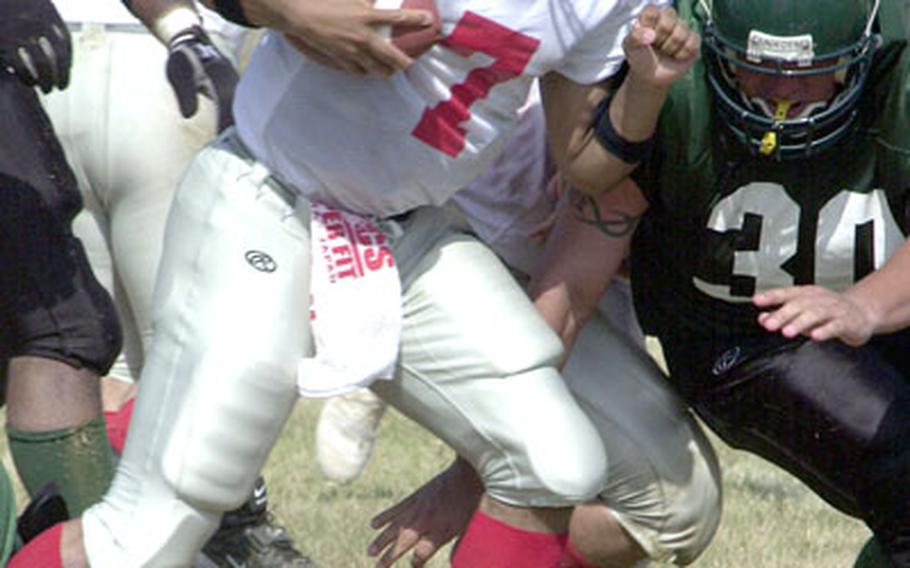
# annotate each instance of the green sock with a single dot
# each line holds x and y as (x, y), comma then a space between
(79, 460)
(872, 556)
(7, 517)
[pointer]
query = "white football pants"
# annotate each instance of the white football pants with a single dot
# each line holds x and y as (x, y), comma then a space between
(128, 145)
(219, 383)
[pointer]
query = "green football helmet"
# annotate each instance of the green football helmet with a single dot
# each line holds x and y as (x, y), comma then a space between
(790, 38)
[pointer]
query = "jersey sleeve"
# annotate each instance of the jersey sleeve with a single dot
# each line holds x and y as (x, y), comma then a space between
(598, 53)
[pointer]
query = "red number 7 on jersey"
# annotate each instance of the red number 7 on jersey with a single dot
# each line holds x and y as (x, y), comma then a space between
(440, 126)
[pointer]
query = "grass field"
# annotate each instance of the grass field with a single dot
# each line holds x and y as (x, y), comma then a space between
(770, 520)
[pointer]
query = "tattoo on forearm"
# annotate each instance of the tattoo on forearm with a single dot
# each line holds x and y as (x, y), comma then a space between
(612, 223)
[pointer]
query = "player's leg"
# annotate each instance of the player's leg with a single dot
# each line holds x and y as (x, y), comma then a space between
(220, 380)
(81, 117)
(662, 497)
(62, 333)
(477, 369)
(152, 145)
(836, 417)
(129, 146)
(59, 330)
(91, 227)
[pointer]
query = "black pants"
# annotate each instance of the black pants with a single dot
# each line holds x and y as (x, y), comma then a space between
(51, 305)
(834, 416)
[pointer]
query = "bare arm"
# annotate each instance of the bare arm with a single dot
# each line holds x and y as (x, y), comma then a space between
(885, 294)
(583, 253)
(660, 49)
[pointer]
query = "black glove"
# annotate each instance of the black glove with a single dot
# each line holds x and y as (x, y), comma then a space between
(195, 66)
(34, 43)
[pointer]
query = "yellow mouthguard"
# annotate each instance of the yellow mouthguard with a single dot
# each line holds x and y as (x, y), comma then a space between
(769, 140)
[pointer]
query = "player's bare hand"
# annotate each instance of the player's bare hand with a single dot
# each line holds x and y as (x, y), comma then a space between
(428, 518)
(660, 48)
(815, 312)
(342, 33)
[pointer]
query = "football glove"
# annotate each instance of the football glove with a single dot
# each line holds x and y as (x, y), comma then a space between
(34, 43)
(195, 66)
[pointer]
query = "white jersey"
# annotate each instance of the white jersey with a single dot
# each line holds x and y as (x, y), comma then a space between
(382, 146)
(508, 201)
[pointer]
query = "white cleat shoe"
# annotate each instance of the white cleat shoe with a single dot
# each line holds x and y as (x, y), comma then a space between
(345, 434)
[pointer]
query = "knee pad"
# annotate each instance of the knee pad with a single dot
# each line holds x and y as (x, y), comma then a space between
(220, 445)
(571, 482)
(54, 306)
(94, 336)
(555, 462)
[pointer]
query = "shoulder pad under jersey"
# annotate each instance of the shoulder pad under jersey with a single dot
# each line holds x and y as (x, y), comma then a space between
(892, 123)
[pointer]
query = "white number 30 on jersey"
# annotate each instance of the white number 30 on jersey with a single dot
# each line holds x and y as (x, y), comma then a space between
(854, 234)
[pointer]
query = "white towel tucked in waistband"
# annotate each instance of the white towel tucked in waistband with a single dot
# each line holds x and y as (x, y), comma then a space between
(355, 307)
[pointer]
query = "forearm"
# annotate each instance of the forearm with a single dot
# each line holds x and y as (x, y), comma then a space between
(582, 256)
(633, 111)
(885, 293)
(595, 150)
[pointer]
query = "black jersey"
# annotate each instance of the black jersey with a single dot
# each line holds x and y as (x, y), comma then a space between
(725, 224)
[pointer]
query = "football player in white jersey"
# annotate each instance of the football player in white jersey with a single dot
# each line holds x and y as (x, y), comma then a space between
(128, 140)
(273, 238)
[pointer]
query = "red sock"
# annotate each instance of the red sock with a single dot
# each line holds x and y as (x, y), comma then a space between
(573, 559)
(43, 550)
(118, 423)
(489, 543)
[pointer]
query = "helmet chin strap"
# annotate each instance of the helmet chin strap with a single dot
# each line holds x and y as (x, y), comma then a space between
(769, 141)
(779, 112)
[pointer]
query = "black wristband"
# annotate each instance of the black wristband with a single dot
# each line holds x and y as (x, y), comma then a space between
(232, 11)
(612, 141)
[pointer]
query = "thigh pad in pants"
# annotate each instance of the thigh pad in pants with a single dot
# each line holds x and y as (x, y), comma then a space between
(477, 369)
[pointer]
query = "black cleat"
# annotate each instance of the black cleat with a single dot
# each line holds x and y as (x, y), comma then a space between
(45, 510)
(249, 537)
